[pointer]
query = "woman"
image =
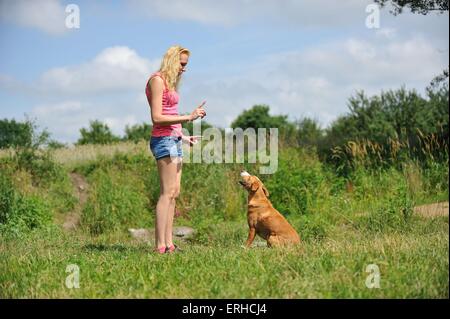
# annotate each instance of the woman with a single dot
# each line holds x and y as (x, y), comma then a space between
(166, 139)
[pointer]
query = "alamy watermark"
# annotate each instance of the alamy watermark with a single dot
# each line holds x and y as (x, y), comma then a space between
(73, 16)
(73, 279)
(373, 279)
(373, 19)
(232, 146)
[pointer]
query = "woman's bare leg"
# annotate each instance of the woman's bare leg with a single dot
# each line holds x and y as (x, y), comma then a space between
(169, 226)
(168, 191)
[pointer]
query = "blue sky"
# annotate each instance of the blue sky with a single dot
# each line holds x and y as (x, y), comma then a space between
(303, 58)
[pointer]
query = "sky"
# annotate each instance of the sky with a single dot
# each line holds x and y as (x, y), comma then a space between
(302, 58)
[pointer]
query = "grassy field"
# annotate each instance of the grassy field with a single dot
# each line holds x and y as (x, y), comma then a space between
(344, 230)
(411, 265)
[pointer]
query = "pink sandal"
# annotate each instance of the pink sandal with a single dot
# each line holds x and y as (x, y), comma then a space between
(160, 250)
(172, 248)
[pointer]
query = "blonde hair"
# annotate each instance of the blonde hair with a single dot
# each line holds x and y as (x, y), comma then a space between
(170, 66)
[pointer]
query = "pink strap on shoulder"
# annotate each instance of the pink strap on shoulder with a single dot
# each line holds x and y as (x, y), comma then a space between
(158, 74)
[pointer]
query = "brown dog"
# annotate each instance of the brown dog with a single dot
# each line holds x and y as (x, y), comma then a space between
(263, 219)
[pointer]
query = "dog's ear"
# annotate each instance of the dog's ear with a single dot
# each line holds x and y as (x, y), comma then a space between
(255, 185)
(265, 190)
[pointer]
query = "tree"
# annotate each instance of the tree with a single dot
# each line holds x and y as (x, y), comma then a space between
(394, 118)
(22, 134)
(439, 83)
(138, 132)
(190, 126)
(393, 114)
(416, 6)
(258, 117)
(437, 93)
(98, 133)
(54, 144)
(309, 132)
(15, 134)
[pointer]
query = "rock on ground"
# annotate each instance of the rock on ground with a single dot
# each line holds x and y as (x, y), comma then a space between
(147, 235)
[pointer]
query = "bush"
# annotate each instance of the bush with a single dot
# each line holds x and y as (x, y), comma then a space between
(210, 190)
(258, 117)
(39, 164)
(137, 132)
(391, 213)
(436, 178)
(389, 128)
(7, 198)
(34, 173)
(13, 134)
(311, 228)
(18, 213)
(98, 133)
(299, 183)
(22, 134)
(117, 201)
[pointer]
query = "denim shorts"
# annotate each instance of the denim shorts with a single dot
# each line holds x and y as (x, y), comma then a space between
(163, 146)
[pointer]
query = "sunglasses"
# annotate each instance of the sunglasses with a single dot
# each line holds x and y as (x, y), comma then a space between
(183, 64)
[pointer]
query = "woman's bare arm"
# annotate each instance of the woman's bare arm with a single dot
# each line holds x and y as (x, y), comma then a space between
(157, 87)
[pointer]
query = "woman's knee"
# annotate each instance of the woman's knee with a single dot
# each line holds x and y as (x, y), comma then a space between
(177, 193)
(172, 193)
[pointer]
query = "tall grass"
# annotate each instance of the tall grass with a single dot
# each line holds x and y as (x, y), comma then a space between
(83, 154)
(412, 265)
(429, 149)
(116, 202)
(33, 189)
(20, 213)
(345, 221)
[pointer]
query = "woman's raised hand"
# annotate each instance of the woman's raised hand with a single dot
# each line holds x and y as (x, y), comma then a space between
(198, 112)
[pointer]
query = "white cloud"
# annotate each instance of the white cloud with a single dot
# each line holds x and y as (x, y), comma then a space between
(65, 119)
(117, 124)
(336, 16)
(361, 51)
(9, 83)
(233, 12)
(46, 15)
(58, 109)
(110, 88)
(387, 33)
(317, 82)
(197, 10)
(114, 69)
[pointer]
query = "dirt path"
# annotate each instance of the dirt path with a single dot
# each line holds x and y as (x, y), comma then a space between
(72, 219)
(432, 210)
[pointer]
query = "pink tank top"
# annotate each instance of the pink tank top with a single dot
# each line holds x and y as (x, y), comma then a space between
(169, 107)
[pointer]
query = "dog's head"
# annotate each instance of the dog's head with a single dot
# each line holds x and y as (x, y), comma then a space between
(252, 183)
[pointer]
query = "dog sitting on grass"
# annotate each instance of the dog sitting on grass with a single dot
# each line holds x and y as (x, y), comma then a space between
(263, 219)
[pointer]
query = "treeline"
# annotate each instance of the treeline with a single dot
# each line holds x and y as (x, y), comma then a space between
(380, 130)
(25, 134)
(383, 128)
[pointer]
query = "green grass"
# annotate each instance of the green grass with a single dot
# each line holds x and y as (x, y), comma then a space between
(343, 232)
(412, 265)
